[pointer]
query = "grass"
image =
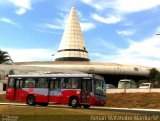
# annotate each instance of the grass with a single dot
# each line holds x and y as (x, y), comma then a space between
(39, 110)
(37, 113)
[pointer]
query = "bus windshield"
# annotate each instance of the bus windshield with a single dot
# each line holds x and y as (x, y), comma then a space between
(99, 87)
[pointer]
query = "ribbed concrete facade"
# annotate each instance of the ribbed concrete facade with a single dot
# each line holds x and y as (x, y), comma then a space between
(72, 46)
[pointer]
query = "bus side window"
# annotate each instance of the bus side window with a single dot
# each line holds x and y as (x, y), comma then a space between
(51, 84)
(66, 83)
(63, 83)
(54, 84)
(17, 84)
(74, 82)
(70, 83)
(90, 86)
(11, 83)
(29, 83)
(42, 83)
(21, 83)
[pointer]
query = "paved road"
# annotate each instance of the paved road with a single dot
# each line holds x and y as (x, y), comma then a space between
(2, 92)
(133, 110)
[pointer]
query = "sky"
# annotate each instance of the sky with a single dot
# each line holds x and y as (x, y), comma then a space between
(119, 31)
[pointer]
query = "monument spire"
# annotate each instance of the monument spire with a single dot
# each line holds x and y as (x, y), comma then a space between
(72, 46)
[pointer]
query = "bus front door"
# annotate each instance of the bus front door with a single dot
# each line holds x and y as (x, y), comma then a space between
(10, 92)
(55, 91)
(86, 88)
(18, 90)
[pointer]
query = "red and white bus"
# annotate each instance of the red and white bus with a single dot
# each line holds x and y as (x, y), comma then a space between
(72, 89)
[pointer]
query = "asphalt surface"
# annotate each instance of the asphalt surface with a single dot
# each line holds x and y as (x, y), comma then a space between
(2, 92)
(132, 110)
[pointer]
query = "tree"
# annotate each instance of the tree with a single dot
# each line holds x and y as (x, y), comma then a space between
(4, 57)
(154, 77)
(11, 72)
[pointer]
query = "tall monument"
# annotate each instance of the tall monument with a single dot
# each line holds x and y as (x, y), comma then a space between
(73, 52)
(72, 46)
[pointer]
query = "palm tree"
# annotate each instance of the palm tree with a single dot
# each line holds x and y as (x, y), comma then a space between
(4, 57)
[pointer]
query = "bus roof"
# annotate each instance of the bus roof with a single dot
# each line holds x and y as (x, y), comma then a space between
(55, 75)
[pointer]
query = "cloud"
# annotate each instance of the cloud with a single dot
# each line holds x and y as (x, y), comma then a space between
(46, 31)
(52, 26)
(148, 48)
(125, 33)
(21, 5)
(145, 52)
(112, 11)
(87, 1)
(99, 57)
(3, 2)
(123, 6)
(86, 26)
(21, 11)
(107, 20)
(8, 21)
(21, 55)
(129, 6)
(61, 22)
(106, 44)
(55, 24)
(158, 30)
(96, 4)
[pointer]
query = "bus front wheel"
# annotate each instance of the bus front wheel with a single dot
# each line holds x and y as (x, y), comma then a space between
(74, 102)
(31, 100)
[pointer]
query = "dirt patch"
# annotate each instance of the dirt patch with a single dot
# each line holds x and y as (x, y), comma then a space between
(3, 98)
(134, 100)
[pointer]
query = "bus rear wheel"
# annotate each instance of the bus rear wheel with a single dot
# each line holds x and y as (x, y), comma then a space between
(86, 106)
(74, 102)
(31, 100)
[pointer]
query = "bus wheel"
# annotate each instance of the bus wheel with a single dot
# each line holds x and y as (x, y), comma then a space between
(86, 106)
(31, 100)
(74, 102)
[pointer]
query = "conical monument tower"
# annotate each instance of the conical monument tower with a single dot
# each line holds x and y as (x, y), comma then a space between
(72, 46)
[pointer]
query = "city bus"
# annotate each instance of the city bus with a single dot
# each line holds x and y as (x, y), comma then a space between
(72, 89)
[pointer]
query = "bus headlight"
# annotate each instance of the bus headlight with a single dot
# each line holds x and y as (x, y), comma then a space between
(78, 92)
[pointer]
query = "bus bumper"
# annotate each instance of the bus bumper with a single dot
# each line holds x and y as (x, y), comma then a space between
(95, 101)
